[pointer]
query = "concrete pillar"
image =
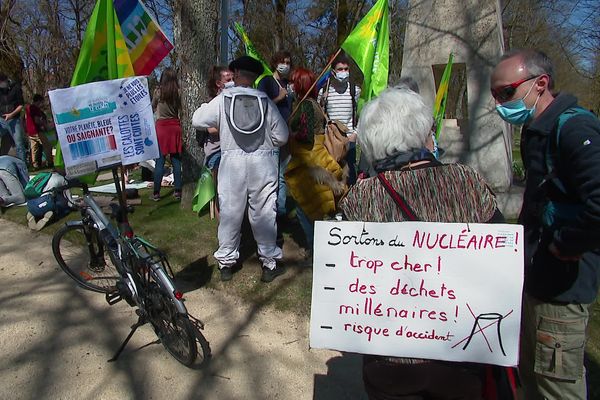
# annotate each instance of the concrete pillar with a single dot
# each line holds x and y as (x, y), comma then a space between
(471, 29)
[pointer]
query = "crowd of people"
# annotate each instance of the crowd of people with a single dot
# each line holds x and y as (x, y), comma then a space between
(23, 127)
(306, 169)
(285, 137)
(399, 170)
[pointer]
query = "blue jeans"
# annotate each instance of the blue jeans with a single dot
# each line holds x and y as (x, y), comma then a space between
(307, 226)
(282, 187)
(14, 128)
(159, 170)
(351, 160)
(212, 162)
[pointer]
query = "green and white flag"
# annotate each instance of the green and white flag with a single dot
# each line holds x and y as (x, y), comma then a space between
(369, 45)
(252, 52)
(205, 190)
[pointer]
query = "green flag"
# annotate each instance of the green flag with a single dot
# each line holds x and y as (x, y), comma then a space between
(251, 51)
(369, 45)
(103, 56)
(439, 108)
(205, 190)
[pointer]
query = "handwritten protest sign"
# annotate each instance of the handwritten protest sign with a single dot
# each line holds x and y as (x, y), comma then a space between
(418, 289)
(104, 123)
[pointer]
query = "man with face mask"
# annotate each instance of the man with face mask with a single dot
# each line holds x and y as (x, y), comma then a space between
(560, 146)
(278, 88)
(339, 98)
(251, 132)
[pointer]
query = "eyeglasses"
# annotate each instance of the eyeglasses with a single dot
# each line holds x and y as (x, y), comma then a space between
(504, 93)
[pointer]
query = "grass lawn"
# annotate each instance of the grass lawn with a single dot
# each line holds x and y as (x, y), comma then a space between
(190, 240)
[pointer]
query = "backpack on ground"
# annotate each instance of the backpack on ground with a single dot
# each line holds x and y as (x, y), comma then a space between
(51, 200)
(55, 202)
(35, 186)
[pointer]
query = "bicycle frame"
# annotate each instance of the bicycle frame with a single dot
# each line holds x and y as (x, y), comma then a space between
(128, 252)
(140, 273)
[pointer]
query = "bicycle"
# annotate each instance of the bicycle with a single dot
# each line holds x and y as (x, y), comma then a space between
(104, 258)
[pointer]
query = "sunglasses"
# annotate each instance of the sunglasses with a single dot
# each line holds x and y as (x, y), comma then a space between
(504, 93)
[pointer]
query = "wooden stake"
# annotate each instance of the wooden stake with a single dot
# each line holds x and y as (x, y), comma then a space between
(314, 83)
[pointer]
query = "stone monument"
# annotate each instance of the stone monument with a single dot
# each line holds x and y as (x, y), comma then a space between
(472, 30)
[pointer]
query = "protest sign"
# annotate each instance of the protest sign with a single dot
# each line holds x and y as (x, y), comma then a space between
(104, 123)
(444, 291)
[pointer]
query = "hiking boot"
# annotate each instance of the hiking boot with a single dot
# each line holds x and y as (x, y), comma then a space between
(269, 274)
(226, 274)
(177, 195)
(155, 197)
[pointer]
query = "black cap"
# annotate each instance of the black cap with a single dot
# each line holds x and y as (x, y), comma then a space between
(247, 63)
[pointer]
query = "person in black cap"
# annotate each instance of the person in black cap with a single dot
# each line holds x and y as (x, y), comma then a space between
(251, 132)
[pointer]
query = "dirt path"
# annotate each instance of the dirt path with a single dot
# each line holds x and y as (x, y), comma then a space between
(56, 340)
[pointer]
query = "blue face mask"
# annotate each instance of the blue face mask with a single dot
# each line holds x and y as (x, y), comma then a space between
(515, 112)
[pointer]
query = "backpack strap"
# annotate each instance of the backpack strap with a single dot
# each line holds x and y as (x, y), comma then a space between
(325, 94)
(553, 143)
(407, 212)
(353, 95)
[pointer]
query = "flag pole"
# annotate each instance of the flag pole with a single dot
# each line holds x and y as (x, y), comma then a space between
(314, 83)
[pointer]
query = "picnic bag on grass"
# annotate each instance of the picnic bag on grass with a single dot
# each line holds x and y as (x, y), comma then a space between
(59, 202)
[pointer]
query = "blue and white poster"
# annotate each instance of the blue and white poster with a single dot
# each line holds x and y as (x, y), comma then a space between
(104, 123)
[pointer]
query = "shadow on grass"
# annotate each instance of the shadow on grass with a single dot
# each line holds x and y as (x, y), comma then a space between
(194, 275)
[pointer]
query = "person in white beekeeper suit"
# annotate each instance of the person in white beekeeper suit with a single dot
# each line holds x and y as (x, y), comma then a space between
(251, 131)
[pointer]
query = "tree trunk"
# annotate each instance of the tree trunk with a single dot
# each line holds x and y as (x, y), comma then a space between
(280, 26)
(195, 31)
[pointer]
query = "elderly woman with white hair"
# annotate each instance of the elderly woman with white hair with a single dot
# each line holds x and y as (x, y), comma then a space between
(412, 185)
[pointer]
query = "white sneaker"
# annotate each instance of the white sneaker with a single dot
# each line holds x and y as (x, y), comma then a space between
(31, 221)
(42, 222)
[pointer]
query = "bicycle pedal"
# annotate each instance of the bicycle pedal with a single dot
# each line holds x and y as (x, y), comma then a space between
(113, 298)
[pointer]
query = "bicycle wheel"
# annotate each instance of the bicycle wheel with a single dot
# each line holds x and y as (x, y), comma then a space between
(174, 330)
(84, 257)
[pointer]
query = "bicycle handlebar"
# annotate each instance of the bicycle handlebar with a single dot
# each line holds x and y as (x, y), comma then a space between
(72, 183)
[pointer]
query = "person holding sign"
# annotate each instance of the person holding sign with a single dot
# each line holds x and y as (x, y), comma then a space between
(251, 132)
(167, 104)
(412, 185)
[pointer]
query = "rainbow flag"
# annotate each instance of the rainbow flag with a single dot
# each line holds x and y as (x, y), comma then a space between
(103, 56)
(146, 42)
